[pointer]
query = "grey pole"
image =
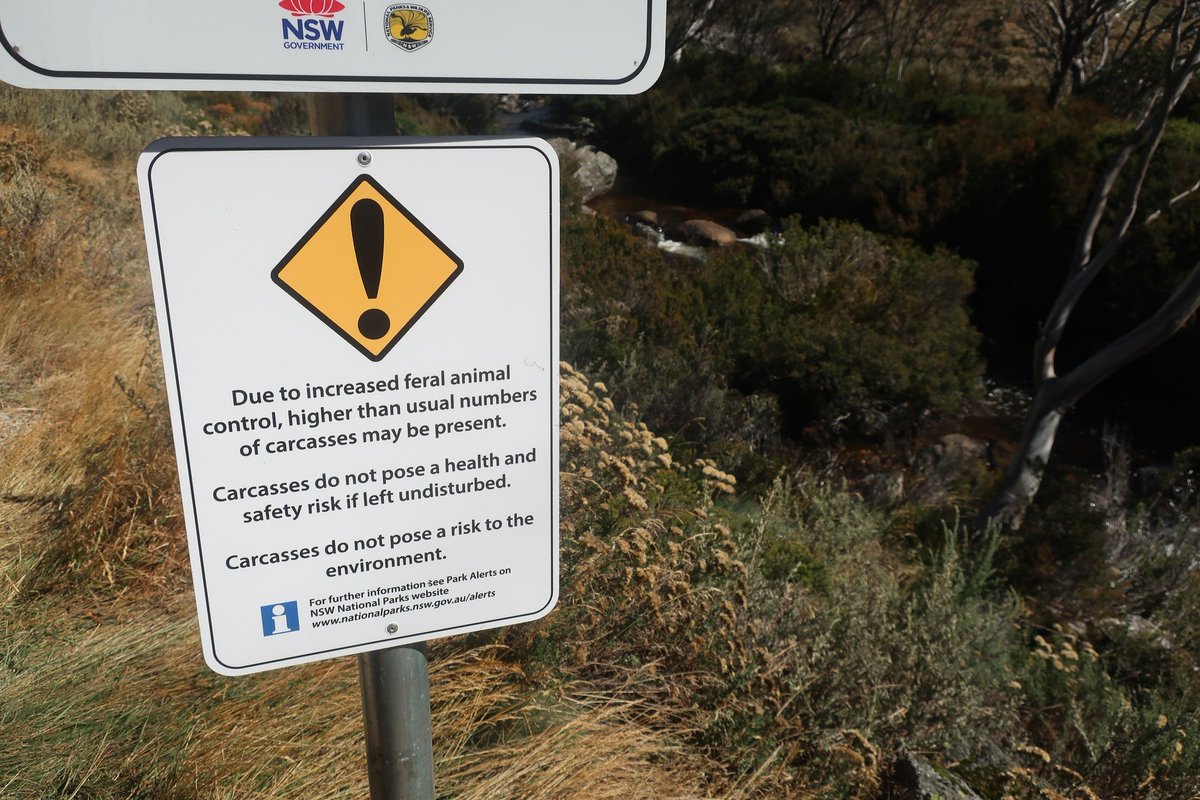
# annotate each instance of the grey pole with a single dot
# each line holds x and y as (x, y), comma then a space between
(351, 114)
(395, 693)
(395, 682)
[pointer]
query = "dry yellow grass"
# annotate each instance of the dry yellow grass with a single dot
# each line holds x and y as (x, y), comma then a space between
(115, 702)
(92, 456)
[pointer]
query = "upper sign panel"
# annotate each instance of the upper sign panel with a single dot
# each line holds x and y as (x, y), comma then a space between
(532, 46)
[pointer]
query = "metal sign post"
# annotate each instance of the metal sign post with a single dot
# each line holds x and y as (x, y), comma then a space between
(395, 682)
(395, 695)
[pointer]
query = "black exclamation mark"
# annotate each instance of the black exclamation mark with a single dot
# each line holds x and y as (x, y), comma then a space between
(366, 228)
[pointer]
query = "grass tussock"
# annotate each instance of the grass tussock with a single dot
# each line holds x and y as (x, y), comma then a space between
(117, 704)
(93, 440)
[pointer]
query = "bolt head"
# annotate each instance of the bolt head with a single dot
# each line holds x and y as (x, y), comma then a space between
(364, 159)
(391, 629)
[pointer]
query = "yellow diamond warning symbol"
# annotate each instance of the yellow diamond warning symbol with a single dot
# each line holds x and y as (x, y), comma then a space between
(368, 268)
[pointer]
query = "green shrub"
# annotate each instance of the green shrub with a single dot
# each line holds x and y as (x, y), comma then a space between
(445, 115)
(868, 326)
(1097, 733)
(882, 653)
(105, 125)
(830, 325)
(743, 155)
(790, 631)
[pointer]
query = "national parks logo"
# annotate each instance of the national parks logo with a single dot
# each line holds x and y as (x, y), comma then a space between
(409, 26)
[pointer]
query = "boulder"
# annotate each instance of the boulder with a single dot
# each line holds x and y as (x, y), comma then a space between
(577, 128)
(705, 233)
(511, 104)
(1137, 627)
(916, 778)
(944, 466)
(650, 233)
(753, 222)
(960, 452)
(645, 217)
(595, 171)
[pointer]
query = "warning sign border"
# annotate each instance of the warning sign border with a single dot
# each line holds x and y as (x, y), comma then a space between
(333, 209)
(164, 147)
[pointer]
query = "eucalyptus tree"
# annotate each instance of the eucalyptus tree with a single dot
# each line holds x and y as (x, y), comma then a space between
(836, 30)
(1079, 39)
(736, 25)
(908, 28)
(1114, 212)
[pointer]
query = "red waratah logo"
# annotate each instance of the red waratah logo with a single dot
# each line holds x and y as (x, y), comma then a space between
(312, 8)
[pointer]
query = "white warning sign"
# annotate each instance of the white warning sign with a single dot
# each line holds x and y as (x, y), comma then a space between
(361, 350)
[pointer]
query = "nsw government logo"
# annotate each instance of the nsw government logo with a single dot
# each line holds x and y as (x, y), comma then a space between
(312, 25)
(408, 26)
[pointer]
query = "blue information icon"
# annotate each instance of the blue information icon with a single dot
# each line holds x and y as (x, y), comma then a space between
(280, 618)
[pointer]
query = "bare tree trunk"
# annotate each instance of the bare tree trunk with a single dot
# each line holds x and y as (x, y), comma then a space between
(904, 25)
(1054, 397)
(687, 21)
(1023, 477)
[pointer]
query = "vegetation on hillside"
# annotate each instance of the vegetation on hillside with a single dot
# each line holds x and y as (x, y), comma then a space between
(772, 584)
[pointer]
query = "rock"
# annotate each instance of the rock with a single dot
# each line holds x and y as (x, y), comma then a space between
(512, 104)
(943, 467)
(914, 777)
(1135, 626)
(595, 171)
(578, 128)
(645, 217)
(960, 451)
(648, 232)
(706, 233)
(884, 488)
(753, 222)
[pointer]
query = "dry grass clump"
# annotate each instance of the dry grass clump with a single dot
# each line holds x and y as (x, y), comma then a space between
(114, 702)
(586, 748)
(89, 456)
(650, 578)
(88, 485)
(654, 605)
